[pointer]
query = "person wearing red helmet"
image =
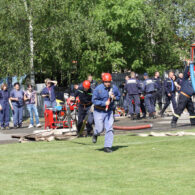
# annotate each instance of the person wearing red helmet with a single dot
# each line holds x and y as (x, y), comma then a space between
(103, 99)
(84, 93)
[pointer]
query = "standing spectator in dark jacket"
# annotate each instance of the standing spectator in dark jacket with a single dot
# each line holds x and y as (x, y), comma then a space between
(4, 107)
(170, 89)
(158, 93)
(48, 93)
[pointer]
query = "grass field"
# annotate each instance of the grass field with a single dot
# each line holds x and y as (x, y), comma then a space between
(139, 165)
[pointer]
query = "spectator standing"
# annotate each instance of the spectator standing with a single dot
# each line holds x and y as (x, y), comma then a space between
(30, 96)
(4, 107)
(48, 93)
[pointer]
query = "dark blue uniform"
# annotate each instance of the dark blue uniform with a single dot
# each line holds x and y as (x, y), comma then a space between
(4, 113)
(169, 88)
(104, 119)
(133, 87)
(85, 98)
(149, 88)
(158, 93)
(18, 107)
(185, 100)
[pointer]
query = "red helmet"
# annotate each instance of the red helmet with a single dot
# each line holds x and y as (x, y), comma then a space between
(86, 84)
(107, 77)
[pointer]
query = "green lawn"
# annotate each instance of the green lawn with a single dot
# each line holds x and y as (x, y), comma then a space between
(139, 165)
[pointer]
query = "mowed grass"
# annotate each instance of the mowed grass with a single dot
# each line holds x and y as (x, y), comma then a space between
(139, 165)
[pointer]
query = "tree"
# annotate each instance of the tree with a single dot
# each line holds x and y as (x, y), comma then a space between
(31, 42)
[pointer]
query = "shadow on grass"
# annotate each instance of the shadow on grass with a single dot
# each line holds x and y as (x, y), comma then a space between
(114, 148)
(82, 143)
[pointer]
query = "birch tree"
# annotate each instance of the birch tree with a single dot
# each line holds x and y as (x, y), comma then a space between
(31, 42)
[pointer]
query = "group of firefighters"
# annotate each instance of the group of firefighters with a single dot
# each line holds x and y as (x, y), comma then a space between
(142, 96)
(138, 96)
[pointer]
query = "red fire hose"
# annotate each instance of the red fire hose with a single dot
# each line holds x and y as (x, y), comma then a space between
(128, 128)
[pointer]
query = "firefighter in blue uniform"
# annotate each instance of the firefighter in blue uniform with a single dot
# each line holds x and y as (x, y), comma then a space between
(149, 88)
(103, 99)
(185, 100)
(158, 93)
(4, 107)
(132, 87)
(84, 93)
(170, 89)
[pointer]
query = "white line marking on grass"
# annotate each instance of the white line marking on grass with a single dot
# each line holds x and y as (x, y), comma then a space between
(144, 142)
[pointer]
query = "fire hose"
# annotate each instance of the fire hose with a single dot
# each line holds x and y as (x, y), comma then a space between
(129, 128)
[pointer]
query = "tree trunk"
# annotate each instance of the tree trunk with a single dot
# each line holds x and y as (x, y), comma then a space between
(32, 73)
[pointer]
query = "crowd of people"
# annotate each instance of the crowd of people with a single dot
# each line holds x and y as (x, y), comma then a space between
(17, 98)
(144, 95)
(139, 96)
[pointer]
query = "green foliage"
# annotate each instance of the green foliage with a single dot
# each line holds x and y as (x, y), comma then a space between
(101, 36)
(14, 52)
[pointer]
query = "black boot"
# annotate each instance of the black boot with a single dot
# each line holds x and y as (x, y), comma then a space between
(144, 115)
(162, 114)
(108, 150)
(94, 138)
(174, 122)
(138, 117)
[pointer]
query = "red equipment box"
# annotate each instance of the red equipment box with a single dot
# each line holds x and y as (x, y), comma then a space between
(57, 118)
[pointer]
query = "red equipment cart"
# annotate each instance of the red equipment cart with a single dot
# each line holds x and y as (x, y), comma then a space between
(58, 116)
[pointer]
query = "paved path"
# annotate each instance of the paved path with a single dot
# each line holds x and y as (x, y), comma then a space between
(159, 124)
